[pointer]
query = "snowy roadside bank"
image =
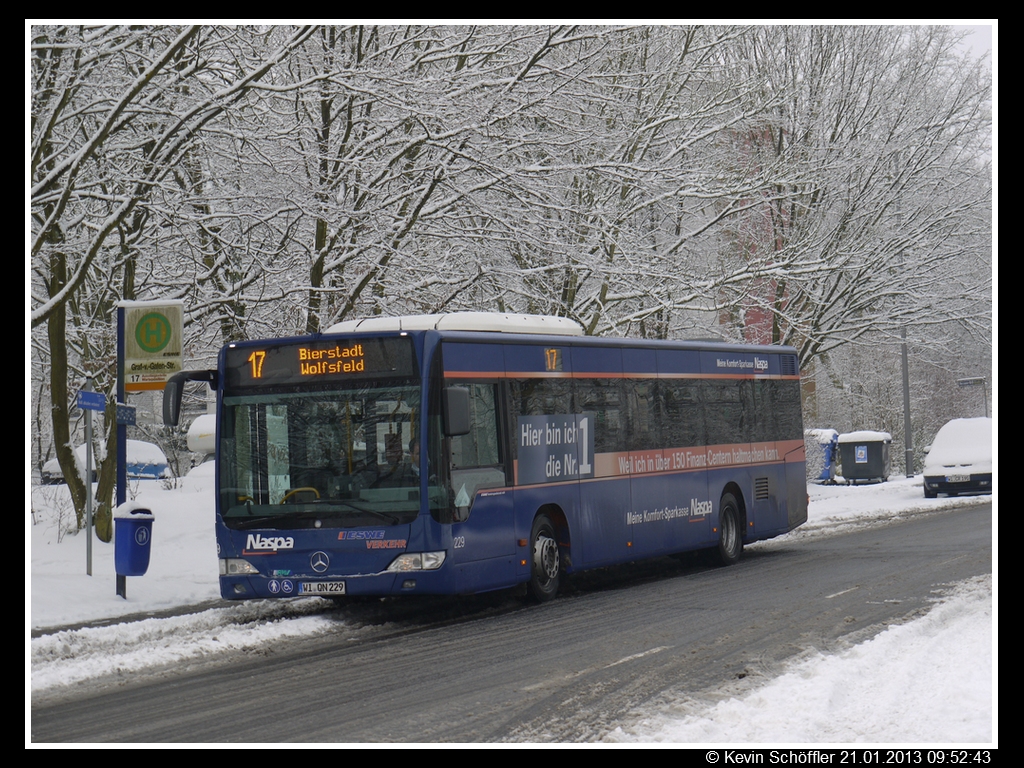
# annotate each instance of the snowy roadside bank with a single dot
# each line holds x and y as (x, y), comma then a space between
(928, 681)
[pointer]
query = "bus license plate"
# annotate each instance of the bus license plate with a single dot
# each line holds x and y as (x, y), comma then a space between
(322, 588)
(957, 478)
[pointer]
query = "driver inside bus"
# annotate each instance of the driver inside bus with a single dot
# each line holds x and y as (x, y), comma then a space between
(407, 474)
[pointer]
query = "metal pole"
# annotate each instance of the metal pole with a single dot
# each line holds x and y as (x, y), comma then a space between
(88, 482)
(908, 438)
(122, 433)
(120, 585)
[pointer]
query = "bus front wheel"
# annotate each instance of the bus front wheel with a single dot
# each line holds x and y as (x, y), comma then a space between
(730, 537)
(545, 566)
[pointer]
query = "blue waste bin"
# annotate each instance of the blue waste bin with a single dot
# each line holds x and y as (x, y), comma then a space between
(133, 534)
(821, 447)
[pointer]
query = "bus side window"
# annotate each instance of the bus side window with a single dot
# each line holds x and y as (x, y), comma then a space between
(727, 411)
(682, 415)
(644, 430)
(479, 447)
(603, 398)
(541, 397)
(786, 406)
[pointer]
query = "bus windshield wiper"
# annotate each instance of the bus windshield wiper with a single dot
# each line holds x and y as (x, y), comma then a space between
(261, 520)
(375, 512)
(256, 521)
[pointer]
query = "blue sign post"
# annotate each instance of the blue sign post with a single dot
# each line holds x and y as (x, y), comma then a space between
(89, 401)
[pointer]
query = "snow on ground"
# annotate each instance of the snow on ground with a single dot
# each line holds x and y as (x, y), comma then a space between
(926, 681)
(183, 559)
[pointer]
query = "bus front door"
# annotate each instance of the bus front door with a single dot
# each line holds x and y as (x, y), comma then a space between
(483, 543)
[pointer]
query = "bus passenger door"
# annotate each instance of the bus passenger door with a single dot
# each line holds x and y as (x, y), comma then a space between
(482, 529)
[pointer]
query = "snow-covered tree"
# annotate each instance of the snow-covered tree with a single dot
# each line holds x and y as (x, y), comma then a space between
(824, 186)
(115, 109)
(882, 222)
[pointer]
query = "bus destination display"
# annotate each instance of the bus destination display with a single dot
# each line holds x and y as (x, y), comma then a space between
(318, 361)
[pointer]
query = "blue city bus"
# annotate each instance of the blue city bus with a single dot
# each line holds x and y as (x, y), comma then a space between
(469, 452)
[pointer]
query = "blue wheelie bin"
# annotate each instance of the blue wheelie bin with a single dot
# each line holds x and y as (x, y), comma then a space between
(133, 534)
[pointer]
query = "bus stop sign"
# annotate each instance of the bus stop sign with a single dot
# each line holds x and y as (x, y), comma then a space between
(152, 343)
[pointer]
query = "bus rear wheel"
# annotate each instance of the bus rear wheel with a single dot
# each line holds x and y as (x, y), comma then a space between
(545, 564)
(730, 537)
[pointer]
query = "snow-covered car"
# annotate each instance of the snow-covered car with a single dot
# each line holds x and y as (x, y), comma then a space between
(206, 468)
(202, 438)
(960, 459)
(145, 461)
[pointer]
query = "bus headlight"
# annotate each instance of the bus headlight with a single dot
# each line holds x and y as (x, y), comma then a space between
(234, 566)
(417, 561)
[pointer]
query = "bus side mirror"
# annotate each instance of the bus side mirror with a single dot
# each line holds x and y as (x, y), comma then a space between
(456, 411)
(173, 390)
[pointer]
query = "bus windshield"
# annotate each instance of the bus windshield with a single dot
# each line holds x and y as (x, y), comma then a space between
(341, 457)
